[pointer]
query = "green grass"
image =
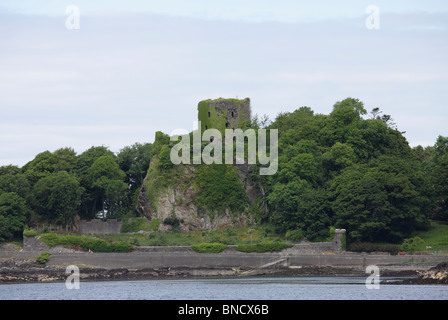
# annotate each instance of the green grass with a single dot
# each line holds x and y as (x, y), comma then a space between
(228, 236)
(263, 247)
(139, 224)
(436, 237)
(124, 241)
(209, 247)
(44, 257)
(85, 242)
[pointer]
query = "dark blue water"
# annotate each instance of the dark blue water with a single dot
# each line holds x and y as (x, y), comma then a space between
(290, 288)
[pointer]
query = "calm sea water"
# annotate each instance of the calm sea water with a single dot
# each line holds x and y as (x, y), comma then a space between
(290, 288)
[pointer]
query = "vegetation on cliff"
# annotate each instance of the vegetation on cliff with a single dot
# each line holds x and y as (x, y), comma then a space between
(210, 189)
(349, 169)
(219, 188)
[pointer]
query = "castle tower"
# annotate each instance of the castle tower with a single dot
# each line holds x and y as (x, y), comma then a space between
(223, 114)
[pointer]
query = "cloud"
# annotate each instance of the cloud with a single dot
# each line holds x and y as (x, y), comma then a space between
(26, 141)
(123, 76)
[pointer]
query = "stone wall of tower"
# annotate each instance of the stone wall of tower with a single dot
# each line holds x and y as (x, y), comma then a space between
(223, 114)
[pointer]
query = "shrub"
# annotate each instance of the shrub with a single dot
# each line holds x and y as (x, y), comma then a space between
(205, 247)
(134, 225)
(135, 242)
(50, 239)
(30, 233)
(86, 243)
(158, 239)
(294, 235)
(374, 247)
(119, 246)
(219, 188)
(154, 224)
(44, 257)
(165, 162)
(172, 221)
(230, 232)
(412, 244)
(263, 247)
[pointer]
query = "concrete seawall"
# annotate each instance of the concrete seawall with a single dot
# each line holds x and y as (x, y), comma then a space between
(163, 260)
(185, 257)
(17, 267)
(156, 262)
(140, 260)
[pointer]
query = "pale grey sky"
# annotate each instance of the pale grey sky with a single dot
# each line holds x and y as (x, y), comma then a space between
(136, 67)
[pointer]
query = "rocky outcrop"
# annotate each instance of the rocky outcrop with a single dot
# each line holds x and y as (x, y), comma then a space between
(177, 200)
(254, 189)
(20, 271)
(435, 275)
(169, 192)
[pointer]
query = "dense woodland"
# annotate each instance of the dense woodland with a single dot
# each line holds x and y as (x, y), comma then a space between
(56, 187)
(349, 169)
(355, 170)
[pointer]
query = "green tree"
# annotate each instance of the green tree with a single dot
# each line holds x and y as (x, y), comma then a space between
(13, 215)
(340, 169)
(440, 177)
(58, 197)
(347, 111)
(297, 205)
(340, 156)
(90, 203)
(302, 165)
(342, 123)
(107, 183)
(440, 148)
(41, 166)
(18, 183)
(66, 159)
(360, 205)
(381, 201)
(134, 161)
(9, 169)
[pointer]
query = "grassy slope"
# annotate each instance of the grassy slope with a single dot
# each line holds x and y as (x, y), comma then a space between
(436, 237)
(231, 236)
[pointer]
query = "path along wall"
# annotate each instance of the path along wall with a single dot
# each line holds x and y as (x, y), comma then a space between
(140, 260)
(184, 257)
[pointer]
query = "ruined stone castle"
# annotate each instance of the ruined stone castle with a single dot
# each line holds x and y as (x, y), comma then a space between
(223, 114)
